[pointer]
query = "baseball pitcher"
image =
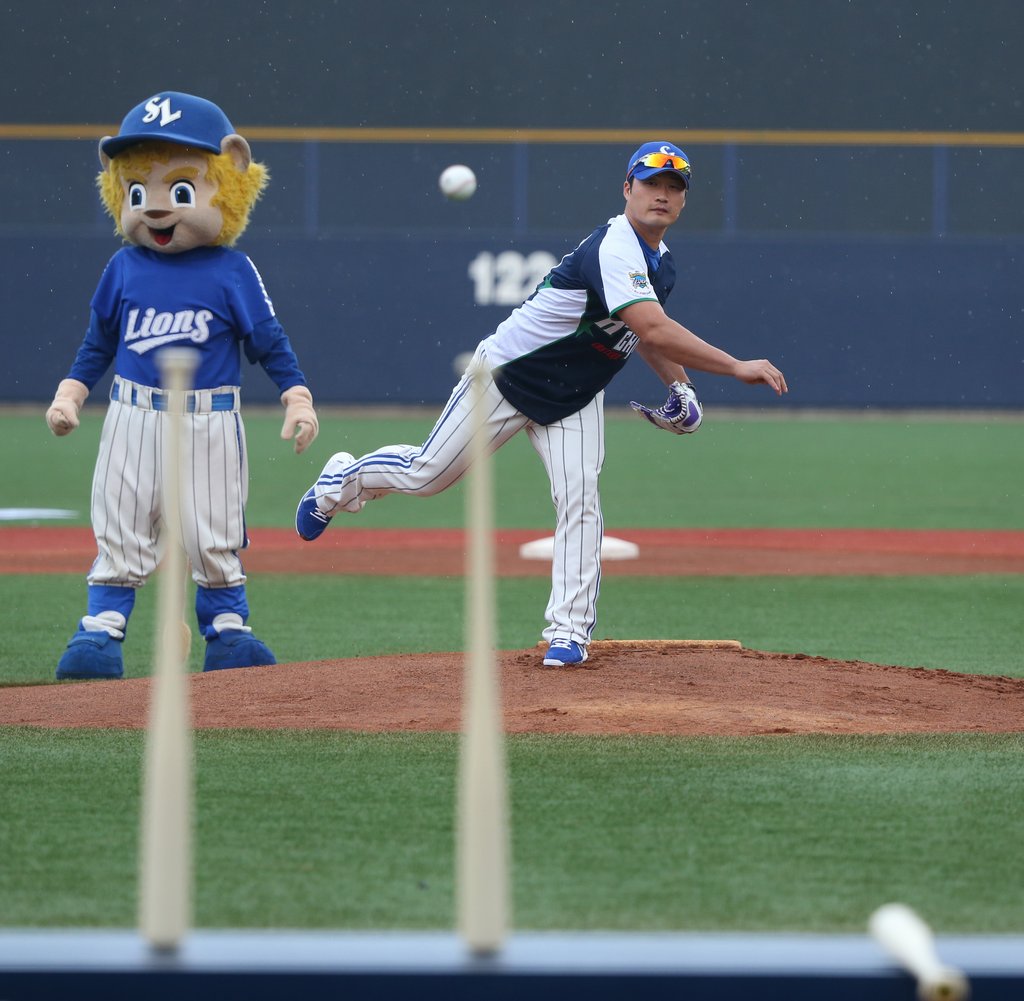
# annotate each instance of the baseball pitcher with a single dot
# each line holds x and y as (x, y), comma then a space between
(544, 371)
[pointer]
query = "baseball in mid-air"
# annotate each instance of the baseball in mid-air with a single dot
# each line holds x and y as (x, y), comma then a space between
(457, 182)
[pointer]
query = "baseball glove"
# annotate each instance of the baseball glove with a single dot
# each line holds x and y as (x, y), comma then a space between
(681, 413)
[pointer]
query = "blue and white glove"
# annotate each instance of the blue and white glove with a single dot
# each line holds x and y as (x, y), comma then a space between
(681, 413)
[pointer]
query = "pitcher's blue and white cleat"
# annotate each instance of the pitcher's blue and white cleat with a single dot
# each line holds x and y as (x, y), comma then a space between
(310, 521)
(562, 653)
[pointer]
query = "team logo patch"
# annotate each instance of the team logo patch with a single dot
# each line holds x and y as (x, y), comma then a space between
(639, 281)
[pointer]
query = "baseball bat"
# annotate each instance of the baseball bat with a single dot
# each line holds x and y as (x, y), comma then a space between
(166, 834)
(482, 849)
(906, 937)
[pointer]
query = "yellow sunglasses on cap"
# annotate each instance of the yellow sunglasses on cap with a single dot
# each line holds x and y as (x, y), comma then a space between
(659, 160)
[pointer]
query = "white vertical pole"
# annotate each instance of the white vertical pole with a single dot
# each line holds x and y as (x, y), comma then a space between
(165, 874)
(482, 850)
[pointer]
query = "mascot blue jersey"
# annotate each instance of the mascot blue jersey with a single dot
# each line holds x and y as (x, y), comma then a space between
(211, 299)
(558, 350)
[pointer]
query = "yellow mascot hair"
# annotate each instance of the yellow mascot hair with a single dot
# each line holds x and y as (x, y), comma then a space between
(237, 191)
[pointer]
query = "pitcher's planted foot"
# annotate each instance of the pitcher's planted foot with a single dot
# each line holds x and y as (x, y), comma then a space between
(562, 653)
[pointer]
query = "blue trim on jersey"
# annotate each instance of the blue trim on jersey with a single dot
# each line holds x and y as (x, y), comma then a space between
(653, 258)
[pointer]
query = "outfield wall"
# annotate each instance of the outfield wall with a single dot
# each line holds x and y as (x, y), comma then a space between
(877, 269)
(902, 322)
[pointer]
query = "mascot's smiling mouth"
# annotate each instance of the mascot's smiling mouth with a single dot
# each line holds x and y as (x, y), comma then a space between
(162, 237)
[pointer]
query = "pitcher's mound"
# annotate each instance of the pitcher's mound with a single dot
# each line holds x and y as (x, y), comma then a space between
(634, 687)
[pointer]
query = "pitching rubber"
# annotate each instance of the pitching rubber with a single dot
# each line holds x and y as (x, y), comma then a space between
(619, 645)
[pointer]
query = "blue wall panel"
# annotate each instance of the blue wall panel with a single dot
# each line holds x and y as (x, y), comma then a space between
(870, 323)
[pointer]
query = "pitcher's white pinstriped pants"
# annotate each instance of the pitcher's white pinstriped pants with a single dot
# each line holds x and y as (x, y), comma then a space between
(572, 451)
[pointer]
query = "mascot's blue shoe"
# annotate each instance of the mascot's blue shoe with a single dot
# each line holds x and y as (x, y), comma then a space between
(92, 654)
(234, 648)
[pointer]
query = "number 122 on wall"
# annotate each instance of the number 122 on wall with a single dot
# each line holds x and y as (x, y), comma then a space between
(508, 278)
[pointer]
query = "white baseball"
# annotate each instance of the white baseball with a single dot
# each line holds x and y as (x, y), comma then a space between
(457, 182)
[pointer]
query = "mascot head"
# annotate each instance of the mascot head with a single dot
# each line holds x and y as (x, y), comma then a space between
(177, 175)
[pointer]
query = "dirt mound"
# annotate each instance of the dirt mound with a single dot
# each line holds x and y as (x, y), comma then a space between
(635, 688)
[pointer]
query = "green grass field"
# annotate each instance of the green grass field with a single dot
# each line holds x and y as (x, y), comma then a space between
(354, 830)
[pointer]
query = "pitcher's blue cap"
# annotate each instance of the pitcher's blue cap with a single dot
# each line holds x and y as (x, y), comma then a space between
(658, 158)
(175, 118)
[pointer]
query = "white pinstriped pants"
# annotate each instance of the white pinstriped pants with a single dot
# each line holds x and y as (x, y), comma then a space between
(126, 493)
(572, 451)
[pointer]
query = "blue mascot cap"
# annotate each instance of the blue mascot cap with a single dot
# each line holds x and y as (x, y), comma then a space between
(172, 117)
(657, 158)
